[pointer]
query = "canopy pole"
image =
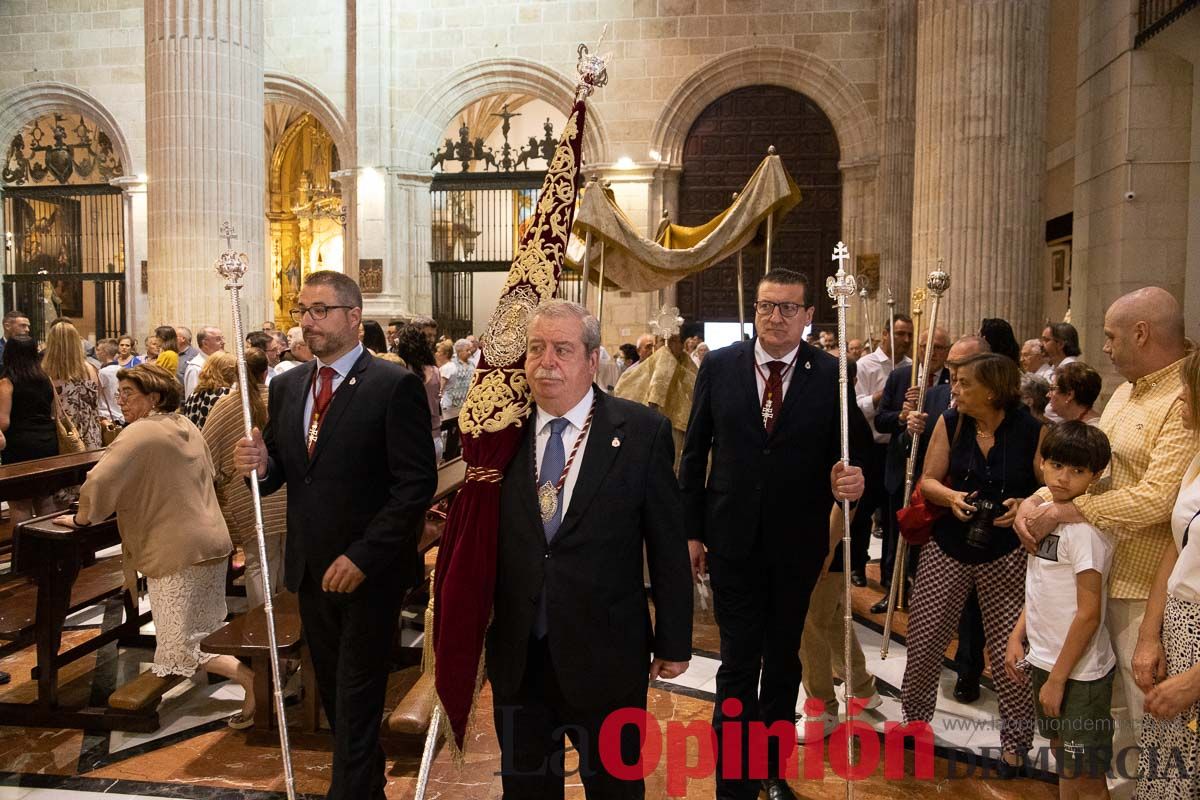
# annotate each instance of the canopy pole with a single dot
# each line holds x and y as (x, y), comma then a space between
(600, 289)
(587, 254)
(741, 291)
(770, 224)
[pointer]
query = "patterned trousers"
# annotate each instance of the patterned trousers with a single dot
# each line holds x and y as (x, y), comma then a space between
(937, 602)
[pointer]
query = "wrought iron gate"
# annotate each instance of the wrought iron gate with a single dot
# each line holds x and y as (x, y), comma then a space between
(65, 257)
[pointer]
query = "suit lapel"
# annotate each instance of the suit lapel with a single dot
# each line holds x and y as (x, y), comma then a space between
(295, 426)
(801, 372)
(520, 475)
(341, 400)
(748, 378)
(598, 456)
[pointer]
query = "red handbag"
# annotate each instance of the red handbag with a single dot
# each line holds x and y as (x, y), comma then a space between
(916, 521)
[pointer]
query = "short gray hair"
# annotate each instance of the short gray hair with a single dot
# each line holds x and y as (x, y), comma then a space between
(565, 309)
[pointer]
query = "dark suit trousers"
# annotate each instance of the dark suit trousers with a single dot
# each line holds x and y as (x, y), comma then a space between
(874, 498)
(531, 726)
(760, 604)
(350, 638)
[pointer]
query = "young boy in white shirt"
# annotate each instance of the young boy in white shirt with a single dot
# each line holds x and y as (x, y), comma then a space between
(1070, 654)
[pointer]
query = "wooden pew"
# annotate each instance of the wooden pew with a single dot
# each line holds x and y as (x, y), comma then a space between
(61, 573)
(43, 476)
(245, 636)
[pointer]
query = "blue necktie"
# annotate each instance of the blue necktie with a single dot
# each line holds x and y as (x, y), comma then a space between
(553, 462)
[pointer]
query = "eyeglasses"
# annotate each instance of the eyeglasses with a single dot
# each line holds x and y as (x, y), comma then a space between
(317, 312)
(787, 310)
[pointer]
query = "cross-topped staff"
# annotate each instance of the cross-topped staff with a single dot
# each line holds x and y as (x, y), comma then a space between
(842, 287)
(232, 265)
(937, 283)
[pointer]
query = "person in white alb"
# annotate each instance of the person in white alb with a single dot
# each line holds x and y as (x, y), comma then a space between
(873, 372)
(210, 340)
(1070, 658)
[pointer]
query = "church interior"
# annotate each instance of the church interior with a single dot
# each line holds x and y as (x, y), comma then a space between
(1046, 153)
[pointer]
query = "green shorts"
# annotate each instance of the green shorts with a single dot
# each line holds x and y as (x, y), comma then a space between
(1085, 729)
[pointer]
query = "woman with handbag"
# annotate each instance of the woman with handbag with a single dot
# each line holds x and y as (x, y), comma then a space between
(222, 430)
(75, 381)
(26, 417)
(981, 463)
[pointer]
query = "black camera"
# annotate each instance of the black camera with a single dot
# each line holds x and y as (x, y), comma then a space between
(981, 526)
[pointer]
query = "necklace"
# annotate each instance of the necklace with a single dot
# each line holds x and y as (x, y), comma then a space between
(548, 493)
(768, 405)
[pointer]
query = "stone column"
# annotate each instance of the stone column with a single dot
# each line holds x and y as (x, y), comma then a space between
(204, 136)
(980, 162)
(898, 123)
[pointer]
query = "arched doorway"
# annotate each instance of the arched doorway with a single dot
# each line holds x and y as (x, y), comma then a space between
(305, 210)
(724, 145)
(64, 226)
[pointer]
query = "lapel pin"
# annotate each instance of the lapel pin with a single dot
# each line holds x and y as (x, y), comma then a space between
(616, 442)
(808, 365)
(353, 381)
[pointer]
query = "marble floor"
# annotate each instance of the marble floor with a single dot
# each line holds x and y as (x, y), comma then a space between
(195, 755)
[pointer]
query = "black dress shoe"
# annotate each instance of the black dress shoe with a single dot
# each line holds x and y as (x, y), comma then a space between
(858, 577)
(777, 789)
(4, 678)
(966, 690)
(1007, 772)
(880, 607)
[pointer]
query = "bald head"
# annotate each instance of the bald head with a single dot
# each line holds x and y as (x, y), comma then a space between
(1144, 332)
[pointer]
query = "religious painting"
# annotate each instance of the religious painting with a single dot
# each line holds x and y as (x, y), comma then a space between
(370, 275)
(1060, 267)
(867, 270)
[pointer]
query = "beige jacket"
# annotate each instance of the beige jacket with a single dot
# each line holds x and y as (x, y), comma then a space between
(158, 478)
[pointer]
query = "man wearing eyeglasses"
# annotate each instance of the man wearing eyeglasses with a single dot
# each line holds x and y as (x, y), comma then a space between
(767, 413)
(349, 435)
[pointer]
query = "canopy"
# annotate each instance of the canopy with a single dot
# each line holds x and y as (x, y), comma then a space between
(634, 263)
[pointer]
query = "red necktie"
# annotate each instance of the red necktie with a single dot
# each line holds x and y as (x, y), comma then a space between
(772, 399)
(324, 396)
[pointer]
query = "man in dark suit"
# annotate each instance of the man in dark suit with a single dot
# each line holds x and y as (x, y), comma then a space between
(15, 324)
(349, 435)
(571, 639)
(767, 414)
(899, 397)
(968, 658)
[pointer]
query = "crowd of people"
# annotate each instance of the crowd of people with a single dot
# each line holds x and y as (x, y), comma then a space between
(1052, 535)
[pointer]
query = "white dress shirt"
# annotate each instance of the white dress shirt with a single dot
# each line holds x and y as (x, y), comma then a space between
(341, 367)
(107, 405)
(577, 416)
(762, 358)
(873, 371)
(191, 374)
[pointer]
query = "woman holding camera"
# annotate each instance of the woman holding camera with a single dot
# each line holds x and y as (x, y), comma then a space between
(982, 462)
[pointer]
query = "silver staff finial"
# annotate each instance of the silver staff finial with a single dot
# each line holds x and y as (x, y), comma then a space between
(231, 265)
(843, 284)
(939, 280)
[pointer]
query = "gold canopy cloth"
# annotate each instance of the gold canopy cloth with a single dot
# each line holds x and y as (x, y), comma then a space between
(634, 263)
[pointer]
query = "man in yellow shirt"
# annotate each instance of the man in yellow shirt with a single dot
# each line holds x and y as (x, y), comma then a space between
(1144, 338)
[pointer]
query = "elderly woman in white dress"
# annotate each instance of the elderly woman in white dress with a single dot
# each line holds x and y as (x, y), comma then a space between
(157, 476)
(1166, 662)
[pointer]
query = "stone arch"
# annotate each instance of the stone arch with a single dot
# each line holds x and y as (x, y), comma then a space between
(801, 71)
(280, 87)
(18, 106)
(420, 134)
